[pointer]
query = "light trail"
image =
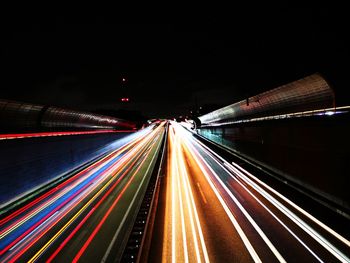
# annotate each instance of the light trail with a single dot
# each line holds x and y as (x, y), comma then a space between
(244, 211)
(116, 234)
(245, 176)
(62, 133)
(292, 216)
(69, 222)
(315, 220)
(91, 237)
(86, 217)
(236, 170)
(189, 192)
(187, 217)
(241, 233)
(50, 212)
(303, 225)
(38, 217)
(94, 167)
(173, 215)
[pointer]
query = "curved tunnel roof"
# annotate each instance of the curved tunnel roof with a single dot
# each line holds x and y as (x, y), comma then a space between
(309, 93)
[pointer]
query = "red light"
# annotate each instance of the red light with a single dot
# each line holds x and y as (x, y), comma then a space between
(123, 79)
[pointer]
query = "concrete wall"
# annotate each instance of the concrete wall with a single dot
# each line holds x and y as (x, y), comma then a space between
(313, 152)
(28, 163)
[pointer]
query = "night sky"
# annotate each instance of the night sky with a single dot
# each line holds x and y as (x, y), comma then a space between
(78, 61)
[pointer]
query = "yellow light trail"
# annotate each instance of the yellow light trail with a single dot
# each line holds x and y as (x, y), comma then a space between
(65, 190)
(173, 215)
(52, 239)
(244, 175)
(199, 229)
(181, 211)
(241, 233)
(249, 179)
(185, 224)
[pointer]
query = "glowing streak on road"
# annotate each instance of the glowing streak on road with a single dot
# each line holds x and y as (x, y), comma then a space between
(78, 177)
(297, 220)
(189, 190)
(281, 222)
(315, 220)
(173, 215)
(136, 195)
(40, 228)
(91, 237)
(27, 217)
(181, 190)
(62, 185)
(65, 226)
(182, 217)
(182, 173)
(243, 176)
(87, 243)
(77, 214)
(49, 134)
(250, 219)
(241, 233)
(247, 215)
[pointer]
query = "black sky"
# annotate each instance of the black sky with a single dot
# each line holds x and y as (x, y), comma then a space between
(78, 61)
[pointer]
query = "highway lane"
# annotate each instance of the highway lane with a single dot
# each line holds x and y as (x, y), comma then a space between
(196, 227)
(89, 215)
(216, 211)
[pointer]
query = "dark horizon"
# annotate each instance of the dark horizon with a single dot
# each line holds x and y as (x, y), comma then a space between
(79, 62)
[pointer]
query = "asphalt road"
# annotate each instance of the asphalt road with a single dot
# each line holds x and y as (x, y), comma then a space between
(88, 217)
(215, 211)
